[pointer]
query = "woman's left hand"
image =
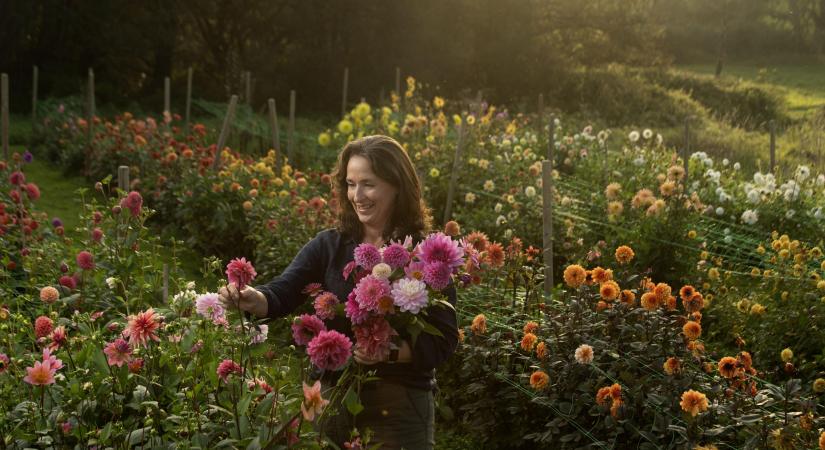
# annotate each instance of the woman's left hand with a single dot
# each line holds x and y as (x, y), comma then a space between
(404, 355)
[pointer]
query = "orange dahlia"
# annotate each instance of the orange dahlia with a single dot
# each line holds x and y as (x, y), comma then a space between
(603, 395)
(541, 350)
(609, 290)
(649, 301)
(662, 291)
(672, 365)
(624, 254)
(628, 297)
(539, 380)
(479, 325)
(686, 291)
(694, 303)
(530, 327)
(528, 341)
(601, 275)
(728, 367)
(692, 330)
(694, 402)
(574, 275)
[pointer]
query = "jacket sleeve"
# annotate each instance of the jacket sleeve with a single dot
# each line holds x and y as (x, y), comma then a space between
(430, 350)
(283, 293)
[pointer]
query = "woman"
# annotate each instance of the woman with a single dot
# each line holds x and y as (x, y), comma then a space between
(380, 197)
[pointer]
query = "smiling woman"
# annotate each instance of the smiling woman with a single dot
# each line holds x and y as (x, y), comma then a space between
(380, 197)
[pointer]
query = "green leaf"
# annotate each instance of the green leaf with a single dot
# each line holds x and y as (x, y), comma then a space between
(137, 436)
(429, 328)
(352, 402)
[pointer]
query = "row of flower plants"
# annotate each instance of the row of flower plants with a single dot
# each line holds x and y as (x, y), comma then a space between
(702, 227)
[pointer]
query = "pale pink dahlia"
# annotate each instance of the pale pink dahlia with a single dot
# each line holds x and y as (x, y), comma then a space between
(133, 202)
(306, 327)
(367, 256)
(440, 247)
(40, 374)
(409, 294)
(369, 291)
(325, 304)
(373, 338)
(209, 306)
(330, 350)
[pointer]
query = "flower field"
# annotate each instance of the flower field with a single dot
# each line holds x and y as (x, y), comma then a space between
(686, 310)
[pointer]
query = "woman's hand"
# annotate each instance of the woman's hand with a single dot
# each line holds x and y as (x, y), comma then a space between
(404, 355)
(249, 299)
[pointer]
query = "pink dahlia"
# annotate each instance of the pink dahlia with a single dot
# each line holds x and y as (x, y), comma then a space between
(306, 327)
(437, 275)
(85, 260)
(348, 269)
(330, 350)
(43, 326)
(367, 256)
(4, 362)
(40, 374)
(415, 270)
(68, 282)
(55, 363)
(97, 234)
(59, 336)
(133, 202)
(355, 314)
(325, 305)
(33, 191)
(142, 328)
(240, 272)
(396, 255)
(373, 338)
(209, 306)
(118, 352)
(409, 294)
(226, 368)
(439, 247)
(369, 291)
(259, 333)
(17, 178)
(312, 289)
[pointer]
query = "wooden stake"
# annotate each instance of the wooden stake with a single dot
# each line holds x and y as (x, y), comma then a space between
(382, 97)
(276, 135)
(90, 111)
(165, 284)
(448, 208)
(4, 113)
(686, 150)
(547, 221)
(541, 110)
(773, 145)
(167, 95)
(346, 85)
(398, 82)
(248, 90)
(35, 82)
(123, 178)
(188, 97)
(227, 121)
(290, 132)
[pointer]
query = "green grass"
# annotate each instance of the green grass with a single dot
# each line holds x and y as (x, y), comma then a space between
(800, 84)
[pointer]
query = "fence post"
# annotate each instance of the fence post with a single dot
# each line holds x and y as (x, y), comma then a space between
(398, 82)
(188, 97)
(123, 178)
(90, 111)
(248, 88)
(547, 219)
(227, 121)
(276, 136)
(773, 145)
(686, 150)
(448, 208)
(346, 86)
(290, 132)
(35, 82)
(4, 113)
(165, 283)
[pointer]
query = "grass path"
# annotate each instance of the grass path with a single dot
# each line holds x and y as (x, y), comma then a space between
(800, 84)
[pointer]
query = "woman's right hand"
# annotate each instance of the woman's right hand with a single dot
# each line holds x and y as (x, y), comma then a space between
(249, 299)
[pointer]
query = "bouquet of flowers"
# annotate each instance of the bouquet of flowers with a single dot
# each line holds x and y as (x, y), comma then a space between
(394, 287)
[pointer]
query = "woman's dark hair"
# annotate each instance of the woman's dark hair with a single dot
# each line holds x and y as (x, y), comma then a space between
(390, 162)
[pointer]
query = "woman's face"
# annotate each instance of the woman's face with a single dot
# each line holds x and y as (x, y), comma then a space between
(372, 197)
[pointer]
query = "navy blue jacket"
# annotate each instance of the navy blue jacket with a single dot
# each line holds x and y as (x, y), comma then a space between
(322, 260)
